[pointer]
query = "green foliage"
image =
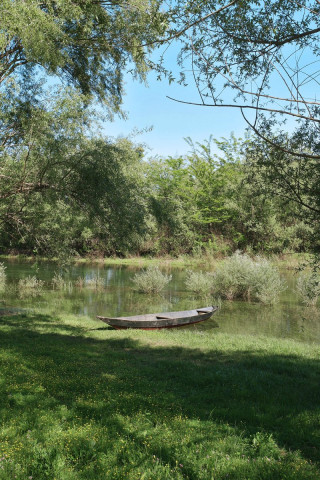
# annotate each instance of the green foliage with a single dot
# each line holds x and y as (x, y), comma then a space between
(170, 206)
(212, 177)
(151, 280)
(217, 199)
(242, 277)
(63, 191)
(77, 194)
(199, 282)
(87, 44)
(308, 287)
(234, 54)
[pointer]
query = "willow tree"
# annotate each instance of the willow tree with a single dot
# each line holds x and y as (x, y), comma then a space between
(262, 58)
(87, 43)
(52, 168)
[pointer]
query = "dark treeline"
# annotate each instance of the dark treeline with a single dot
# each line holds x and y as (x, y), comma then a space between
(65, 191)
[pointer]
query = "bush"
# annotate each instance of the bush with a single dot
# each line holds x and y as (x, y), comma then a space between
(3, 276)
(198, 282)
(308, 287)
(242, 277)
(30, 286)
(151, 280)
(94, 282)
(59, 283)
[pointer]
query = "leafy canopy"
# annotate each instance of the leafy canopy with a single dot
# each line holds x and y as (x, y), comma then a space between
(87, 43)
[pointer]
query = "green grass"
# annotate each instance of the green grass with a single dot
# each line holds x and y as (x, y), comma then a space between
(81, 401)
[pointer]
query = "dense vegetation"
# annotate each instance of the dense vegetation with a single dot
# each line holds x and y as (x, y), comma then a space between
(81, 402)
(66, 192)
(65, 188)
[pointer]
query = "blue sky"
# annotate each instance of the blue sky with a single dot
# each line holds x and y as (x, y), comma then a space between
(148, 106)
(171, 121)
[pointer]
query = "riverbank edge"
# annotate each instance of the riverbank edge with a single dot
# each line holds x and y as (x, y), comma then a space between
(287, 261)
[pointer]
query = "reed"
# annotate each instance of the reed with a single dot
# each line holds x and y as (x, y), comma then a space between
(240, 276)
(308, 287)
(30, 286)
(151, 280)
(199, 282)
(95, 282)
(59, 283)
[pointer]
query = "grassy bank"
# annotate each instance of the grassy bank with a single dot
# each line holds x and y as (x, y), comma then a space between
(81, 401)
(284, 261)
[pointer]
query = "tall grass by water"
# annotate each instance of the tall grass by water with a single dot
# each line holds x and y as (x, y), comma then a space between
(151, 280)
(308, 287)
(199, 282)
(243, 277)
(60, 283)
(95, 282)
(30, 286)
(239, 276)
(83, 403)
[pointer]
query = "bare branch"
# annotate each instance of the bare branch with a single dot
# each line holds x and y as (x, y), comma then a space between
(250, 107)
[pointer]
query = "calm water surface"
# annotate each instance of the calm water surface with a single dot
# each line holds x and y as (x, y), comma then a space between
(288, 319)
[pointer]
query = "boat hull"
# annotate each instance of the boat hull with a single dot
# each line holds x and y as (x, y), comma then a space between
(160, 320)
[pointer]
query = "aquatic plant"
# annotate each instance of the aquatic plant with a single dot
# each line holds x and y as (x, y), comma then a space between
(59, 283)
(80, 282)
(199, 282)
(30, 286)
(308, 287)
(96, 282)
(151, 280)
(240, 276)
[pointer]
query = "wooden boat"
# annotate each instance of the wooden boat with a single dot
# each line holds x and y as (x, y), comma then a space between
(154, 321)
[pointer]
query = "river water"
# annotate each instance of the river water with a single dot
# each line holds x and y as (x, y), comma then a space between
(287, 319)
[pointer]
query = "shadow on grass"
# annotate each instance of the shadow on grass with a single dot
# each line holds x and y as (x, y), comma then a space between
(106, 380)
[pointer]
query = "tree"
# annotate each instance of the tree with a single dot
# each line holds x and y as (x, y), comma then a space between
(53, 172)
(58, 181)
(262, 58)
(256, 56)
(87, 43)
